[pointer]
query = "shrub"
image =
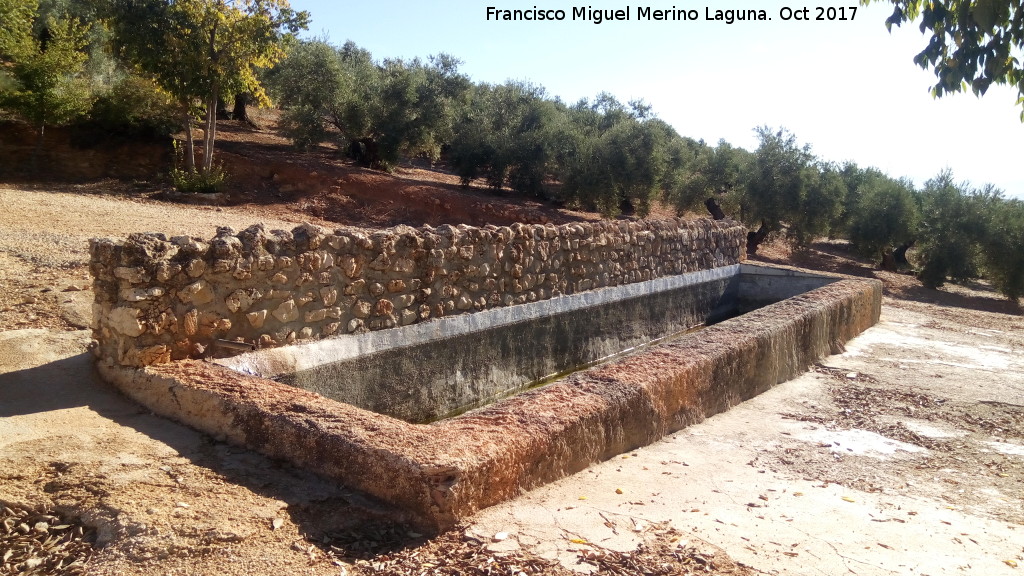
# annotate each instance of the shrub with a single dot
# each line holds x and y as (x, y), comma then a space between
(193, 181)
(1004, 248)
(209, 182)
(953, 220)
(884, 217)
(135, 108)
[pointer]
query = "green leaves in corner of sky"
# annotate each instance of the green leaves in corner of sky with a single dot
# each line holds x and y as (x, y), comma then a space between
(970, 43)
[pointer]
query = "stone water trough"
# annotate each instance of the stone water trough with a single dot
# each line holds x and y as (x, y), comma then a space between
(587, 342)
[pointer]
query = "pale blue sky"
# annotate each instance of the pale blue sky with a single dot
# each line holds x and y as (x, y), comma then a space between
(848, 88)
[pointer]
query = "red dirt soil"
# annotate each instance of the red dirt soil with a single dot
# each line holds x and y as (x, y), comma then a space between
(266, 170)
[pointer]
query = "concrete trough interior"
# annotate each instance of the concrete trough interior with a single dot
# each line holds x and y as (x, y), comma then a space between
(436, 370)
(351, 411)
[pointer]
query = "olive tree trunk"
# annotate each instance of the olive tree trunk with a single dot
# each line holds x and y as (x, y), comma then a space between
(754, 239)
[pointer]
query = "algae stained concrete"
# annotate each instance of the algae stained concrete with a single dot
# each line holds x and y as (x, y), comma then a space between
(899, 456)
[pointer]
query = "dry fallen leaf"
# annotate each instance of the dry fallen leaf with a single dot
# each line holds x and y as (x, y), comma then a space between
(579, 541)
(848, 499)
(1010, 563)
(618, 490)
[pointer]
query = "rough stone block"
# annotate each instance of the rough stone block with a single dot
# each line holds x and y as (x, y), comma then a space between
(256, 319)
(125, 320)
(287, 311)
(197, 293)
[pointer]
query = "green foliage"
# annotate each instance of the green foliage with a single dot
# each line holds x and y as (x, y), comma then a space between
(395, 107)
(779, 177)
(192, 182)
(854, 178)
(200, 50)
(953, 222)
(192, 48)
(101, 68)
(1003, 248)
(973, 43)
(135, 107)
(885, 215)
(618, 157)
(510, 135)
(412, 111)
(787, 186)
(310, 83)
(46, 87)
(16, 35)
(639, 161)
(820, 206)
(710, 173)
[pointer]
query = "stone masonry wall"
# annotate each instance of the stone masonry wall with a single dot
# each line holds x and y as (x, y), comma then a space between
(160, 299)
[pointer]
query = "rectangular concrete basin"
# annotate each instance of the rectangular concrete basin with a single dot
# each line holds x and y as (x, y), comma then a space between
(351, 411)
(435, 370)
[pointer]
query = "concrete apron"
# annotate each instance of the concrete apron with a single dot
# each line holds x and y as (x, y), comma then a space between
(436, 474)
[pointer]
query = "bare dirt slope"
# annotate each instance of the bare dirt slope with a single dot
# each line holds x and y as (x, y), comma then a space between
(904, 455)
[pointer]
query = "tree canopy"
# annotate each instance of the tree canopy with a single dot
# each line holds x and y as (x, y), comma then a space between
(385, 110)
(884, 217)
(201, 50)
(973, 43)
(44, 68)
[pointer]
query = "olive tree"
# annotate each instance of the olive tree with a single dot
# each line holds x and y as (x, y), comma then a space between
(45, 86)
(1003, 248)
(779, 179)
(715, 177)
(884, 218)
(382, 110)
(510, 135)
(953, 221)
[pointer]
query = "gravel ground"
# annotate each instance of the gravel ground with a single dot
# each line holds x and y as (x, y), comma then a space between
(44, 243)
(52, 229)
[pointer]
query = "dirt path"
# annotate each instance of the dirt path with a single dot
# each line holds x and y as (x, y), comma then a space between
(53, 228)
(44, 245)
(904, 455)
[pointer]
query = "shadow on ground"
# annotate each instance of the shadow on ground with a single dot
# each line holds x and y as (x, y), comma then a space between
(58, 394)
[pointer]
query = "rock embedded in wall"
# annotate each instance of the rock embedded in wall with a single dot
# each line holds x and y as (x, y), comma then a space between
(160, 298)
